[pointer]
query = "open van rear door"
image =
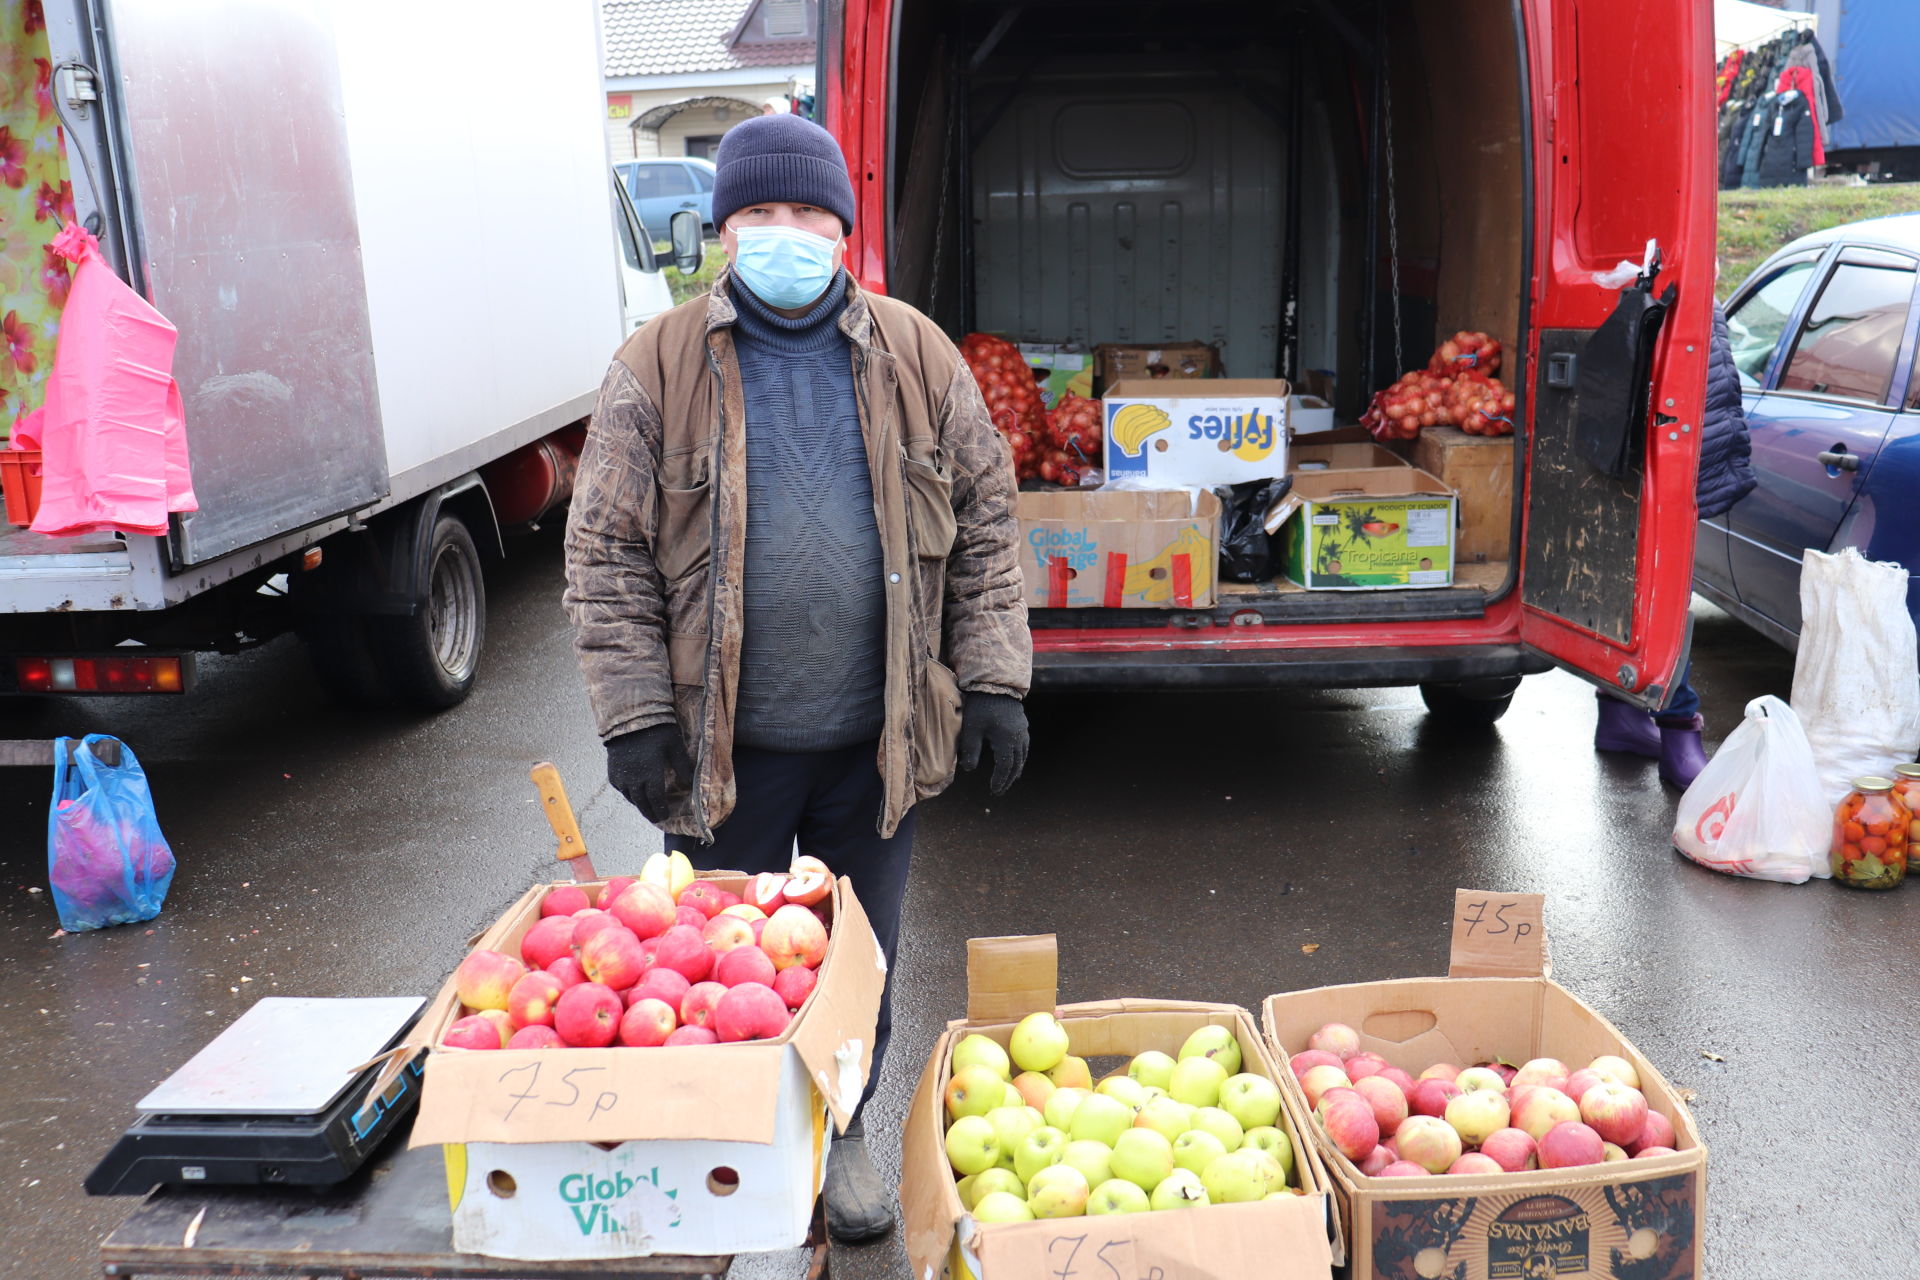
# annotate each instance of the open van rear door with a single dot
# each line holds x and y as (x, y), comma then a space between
(1623, 154)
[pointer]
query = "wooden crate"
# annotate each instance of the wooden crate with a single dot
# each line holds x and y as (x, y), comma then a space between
(1480, 469)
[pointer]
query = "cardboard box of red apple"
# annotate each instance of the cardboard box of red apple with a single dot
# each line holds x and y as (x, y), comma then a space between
(1017, 1166)
(1489, 1124)
(634, 1080)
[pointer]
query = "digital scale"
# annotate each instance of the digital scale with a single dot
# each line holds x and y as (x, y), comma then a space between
(281, 1097)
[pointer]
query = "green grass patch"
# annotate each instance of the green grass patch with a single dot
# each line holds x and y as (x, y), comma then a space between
(1755, 223)
(692, 286)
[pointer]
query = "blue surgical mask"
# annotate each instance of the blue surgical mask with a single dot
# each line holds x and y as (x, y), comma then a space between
(784, 266)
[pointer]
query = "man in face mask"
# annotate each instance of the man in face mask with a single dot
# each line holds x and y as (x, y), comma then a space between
(791, 565)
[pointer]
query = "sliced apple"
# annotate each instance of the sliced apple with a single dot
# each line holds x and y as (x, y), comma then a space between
(767, 891)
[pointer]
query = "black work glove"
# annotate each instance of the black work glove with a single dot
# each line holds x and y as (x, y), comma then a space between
(1001, 723)
(639, 764)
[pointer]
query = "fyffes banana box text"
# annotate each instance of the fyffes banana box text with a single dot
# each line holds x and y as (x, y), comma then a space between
(1200, 432)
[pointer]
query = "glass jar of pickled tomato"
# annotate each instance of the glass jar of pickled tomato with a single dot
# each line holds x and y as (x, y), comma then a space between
(1870, 836)
(1906, 786)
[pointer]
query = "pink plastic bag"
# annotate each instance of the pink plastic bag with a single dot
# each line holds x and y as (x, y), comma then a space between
(113, 432)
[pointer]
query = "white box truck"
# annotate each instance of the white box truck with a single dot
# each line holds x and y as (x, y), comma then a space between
(391, 240)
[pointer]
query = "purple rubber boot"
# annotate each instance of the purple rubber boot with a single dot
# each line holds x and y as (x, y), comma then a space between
(1625, 727)
(1682, 754)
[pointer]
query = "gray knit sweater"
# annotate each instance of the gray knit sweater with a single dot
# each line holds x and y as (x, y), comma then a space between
(812, 659)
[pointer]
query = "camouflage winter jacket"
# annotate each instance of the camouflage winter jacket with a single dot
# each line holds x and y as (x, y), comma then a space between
(657, 533)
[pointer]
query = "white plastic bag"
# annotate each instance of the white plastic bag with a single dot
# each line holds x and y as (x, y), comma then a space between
(1856, 686)
(1756, 809)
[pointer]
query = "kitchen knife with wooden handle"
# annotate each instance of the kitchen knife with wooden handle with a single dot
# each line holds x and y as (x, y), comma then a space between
(553, 799)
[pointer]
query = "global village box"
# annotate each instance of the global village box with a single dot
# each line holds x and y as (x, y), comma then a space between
(623, 1152)
(1366, 530)
(1203, 432)
(1008, 978)
(1635, 1219)
(1119, 548)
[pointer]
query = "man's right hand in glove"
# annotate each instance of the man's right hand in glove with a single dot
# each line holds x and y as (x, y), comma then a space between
(639, 765)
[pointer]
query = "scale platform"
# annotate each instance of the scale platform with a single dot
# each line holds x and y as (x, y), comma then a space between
(281, 1097)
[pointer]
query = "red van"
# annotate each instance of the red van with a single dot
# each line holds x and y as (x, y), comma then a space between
(1325, 185)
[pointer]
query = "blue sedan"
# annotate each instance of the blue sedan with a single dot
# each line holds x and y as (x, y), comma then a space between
(1823, 334)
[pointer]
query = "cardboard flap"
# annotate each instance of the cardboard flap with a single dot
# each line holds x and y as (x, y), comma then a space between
(1009, 978)
(924, 1209)
(1288, 504)
(1283, 1239)
(835, 1037)
(1498, 935)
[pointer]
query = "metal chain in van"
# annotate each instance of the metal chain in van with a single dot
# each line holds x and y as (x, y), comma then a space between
(1393, 210)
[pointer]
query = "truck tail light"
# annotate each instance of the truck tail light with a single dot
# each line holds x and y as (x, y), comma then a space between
(100, 675)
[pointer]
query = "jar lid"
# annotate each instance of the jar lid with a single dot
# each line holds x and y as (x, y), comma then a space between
(1871, 784)
(1906, 770)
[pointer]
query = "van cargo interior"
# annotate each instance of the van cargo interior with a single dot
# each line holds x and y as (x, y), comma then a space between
(1320, 189)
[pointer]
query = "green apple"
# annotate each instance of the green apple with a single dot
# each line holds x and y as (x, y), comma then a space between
(975, 1091)
(1195, 1149)
(1252, 1100)
(1039, 1149)
(1125, 1088)
(1151, 1068)
(1269, 1168)
(1215, 1042)
(1197, 1081)
(1038, 1042)
(971, 1146)
(1165, 1117)
(1001, 1206)
(1236, 1178)
(1093, 1159)
(977, 1050)
(1101, 1118)
(1117, 1195)
(1481, 1079)
(964, 1189)
(1275, 1143)
(1061, 1104)
(1071, 1073)
(1143, 1158)
(998, 1179)
(1155, 1091)
(1181, 1189)
(1011, 1125)
(1033, 1087)
(1221, 1125)
(1058, 1191)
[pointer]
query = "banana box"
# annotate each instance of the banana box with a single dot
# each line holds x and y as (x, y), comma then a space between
(1366, 530)
(1199, 432)
(1119, 548)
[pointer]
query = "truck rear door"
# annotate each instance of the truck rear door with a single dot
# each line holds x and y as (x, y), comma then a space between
(1623, 140)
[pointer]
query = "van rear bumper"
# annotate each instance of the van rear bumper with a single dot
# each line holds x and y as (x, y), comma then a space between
(1267, 668)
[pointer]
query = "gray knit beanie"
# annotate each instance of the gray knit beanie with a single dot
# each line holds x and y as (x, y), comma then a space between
(784, 159)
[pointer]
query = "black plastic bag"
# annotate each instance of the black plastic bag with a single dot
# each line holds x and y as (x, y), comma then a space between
(1246, 552)
(1612, 392)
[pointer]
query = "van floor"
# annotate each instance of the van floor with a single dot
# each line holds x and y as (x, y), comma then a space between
(1485, 578)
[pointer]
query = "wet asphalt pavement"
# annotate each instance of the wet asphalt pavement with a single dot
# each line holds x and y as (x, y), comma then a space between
(1185, 847)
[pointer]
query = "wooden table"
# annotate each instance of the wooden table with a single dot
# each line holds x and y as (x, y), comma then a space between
(388, 1220)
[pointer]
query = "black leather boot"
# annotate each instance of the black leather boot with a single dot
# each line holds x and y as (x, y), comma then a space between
(859, 1205)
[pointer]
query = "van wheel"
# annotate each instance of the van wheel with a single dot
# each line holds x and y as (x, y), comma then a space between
(343, 660)
(1471, 702)
(431, 658)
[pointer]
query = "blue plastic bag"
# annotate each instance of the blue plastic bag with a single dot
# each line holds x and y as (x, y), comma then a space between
(106, 859)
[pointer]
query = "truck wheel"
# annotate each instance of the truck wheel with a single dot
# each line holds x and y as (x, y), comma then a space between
(1475, 702)
(430, 659)
(342, 657)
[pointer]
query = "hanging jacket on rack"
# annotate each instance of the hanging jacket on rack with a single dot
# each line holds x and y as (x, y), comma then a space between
(1826, 100)
(1753, 139)
(1729, 72)
(1800, 79)
(1786, 149)
(1733, 131)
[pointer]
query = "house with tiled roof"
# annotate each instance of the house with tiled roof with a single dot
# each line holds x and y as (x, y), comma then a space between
(679, 73)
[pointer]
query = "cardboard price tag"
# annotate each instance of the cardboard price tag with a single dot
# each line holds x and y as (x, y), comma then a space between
(1285, 1240)
(1498, 935)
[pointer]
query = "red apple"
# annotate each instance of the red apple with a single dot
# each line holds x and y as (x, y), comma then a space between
(1363, 1064)
(530, 1003)
(692, 917)
(650, 951)
(766, 891)
(587, 1016)
(1647, 1153)
(502, 1024)
(588, 923)
(692, 1035)
(646, 909)
(667, 985)
(1505, 1072)
(795, 985)
(1431, 1095)
(746, 964)
(743, 911)
(548, 940)
(1384, 1096)
(1615, 1112)
(1658, 1132)
(1402, 1169)
(1320, 1079)
(485, 978)
(1540, 1109)
(1570, 1144)
(536, 1036)
(1511, 1149)
(1441, 1071)
(612, 958)
(471, 1032)
(648, 1022)
(1580, 1081)
(1308, 1058)
(696, 1007)
(703, 896)
(1550, 1072)
(1349, 1122)
(1474, 1162)
(759, 930)
(725, 933)
(794, 935)
(564, 901)
(567, 969)
(750, 1011)
(1429, 1142)
(611, 891)
(1336, 1037)
(805, 888)
(1377, 1159)
(728, 898)
(681, 948)
(1399, 1077)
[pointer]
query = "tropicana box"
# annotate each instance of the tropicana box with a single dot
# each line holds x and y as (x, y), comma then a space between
(1626, 1219)
(623, 1152)
(1286, 1238)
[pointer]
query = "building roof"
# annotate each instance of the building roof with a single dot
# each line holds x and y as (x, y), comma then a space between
(670, 37)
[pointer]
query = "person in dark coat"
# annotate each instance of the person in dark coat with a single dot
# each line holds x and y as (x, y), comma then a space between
(1672, 735)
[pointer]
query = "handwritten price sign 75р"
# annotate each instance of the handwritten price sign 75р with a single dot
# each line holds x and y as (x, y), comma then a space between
(1498, 935)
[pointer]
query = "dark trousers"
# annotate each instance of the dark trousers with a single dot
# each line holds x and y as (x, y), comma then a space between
(830, 802)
